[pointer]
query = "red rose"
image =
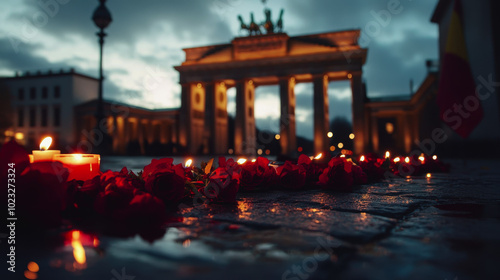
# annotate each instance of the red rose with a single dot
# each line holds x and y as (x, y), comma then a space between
(313, 169)
(113, 201)
(165, 180)
(374, 167)
(223, 184)
(257, 175)
(144, 208)
(292, 176)
(359, 176)
(338, 175)
(40, 193)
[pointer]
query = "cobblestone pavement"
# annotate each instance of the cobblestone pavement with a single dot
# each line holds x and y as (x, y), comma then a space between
(443, 227)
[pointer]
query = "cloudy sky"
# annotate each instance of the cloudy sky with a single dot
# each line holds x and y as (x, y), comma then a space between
(146, 39)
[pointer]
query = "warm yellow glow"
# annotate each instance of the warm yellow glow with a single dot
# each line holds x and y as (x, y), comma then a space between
(434, 157)
(254, 160)
(389, 127)
(189, 162)
(198, 85)
(77, 156)
(387, 154)
(78, 250)
(421, 158)
(19, 136)
(318, 156)
(362, 158)
(407, 159)
(96, 242)
(259, 152)
(332, 148)
(349, 76)
(340, 145)
(8, 133)
(33, 267)
(329, 134)
(397, 159)
(351, 136)
(277, 137)
(230, 151)
(45, 144)
(30, 275)
(428, 175)
(241, 160)
(342, 156)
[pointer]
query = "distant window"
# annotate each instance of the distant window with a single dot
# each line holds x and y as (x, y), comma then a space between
(20, 117)
(44, 117)
(57, 91)
(57, 116)
(20, 94)
(45, 93)
(32, 116)
(32, 93)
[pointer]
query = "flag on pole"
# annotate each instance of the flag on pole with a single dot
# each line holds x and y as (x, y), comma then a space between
(458, 104)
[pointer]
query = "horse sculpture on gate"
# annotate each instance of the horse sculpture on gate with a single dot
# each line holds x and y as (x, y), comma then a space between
(268, 26)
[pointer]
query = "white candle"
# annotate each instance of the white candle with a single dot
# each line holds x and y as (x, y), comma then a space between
(44, 154)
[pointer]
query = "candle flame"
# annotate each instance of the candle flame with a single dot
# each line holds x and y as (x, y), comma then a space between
(342, 156)
(45, 144)
(397, 159)
(78, 156)
(421, 158)
(428, 175)
(387, 154)
(362, 158)
(434, 157)
(318, 156)
(254, 160)
(189, 162)
(241, 160)
(407, 159)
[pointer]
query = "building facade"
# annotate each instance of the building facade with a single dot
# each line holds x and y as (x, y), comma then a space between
(63, 105)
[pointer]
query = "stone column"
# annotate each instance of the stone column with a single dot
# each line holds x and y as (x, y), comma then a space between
(321, 119)
(288, 140)
(216, 117)
(192, 117)
(244, 138)
(358, 113)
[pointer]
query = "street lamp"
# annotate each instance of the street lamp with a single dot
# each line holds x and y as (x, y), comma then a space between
(102, 18)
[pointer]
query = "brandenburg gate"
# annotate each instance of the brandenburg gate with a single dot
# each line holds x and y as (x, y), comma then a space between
(269, 59)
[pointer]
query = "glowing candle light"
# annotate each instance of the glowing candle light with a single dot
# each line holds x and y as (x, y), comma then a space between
(241, 160)
(189, 162)
(254, 160)
(362, 158)
(421, 158)
(387, 154)
(428, 175)
(434, 157)
(80, 166)
(44, 154)
(407, 159)
(397, 159)
(318, 156)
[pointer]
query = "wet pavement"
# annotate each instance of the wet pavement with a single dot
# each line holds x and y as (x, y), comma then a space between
(443, 227)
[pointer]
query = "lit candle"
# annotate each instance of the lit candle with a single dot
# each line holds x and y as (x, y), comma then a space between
(387, 154)
(80, 166)
(44, 154)
(241, 160)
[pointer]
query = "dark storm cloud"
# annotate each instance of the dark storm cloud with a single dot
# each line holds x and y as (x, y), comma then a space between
(24, 59)
(190, 20)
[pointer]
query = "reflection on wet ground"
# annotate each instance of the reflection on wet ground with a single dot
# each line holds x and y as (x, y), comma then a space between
(440, 227)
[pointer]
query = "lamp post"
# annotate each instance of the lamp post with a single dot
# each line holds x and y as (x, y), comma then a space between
(102, 18)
